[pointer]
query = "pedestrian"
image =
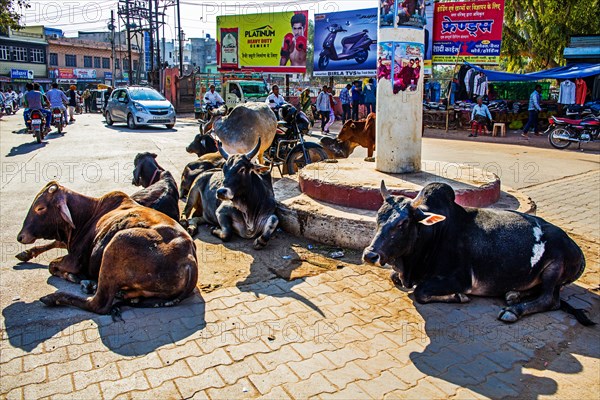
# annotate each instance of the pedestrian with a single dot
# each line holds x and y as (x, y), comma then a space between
(533, 108)
(481, 116)
(87, 100)
(306, 105)
(107, 94)
(323, 107)
(355, 99)
(332, 104)
(370, 95)
(346, 100)
(72, 95)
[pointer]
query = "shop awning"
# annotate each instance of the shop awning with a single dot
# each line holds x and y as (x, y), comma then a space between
(572, 71)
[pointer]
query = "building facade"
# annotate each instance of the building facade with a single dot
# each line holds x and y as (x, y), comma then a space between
(204, 53)
(23, 58)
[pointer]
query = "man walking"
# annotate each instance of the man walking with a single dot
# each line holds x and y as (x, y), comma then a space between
(323, 107)
(355, 99)
(345, 100)
(534, 108)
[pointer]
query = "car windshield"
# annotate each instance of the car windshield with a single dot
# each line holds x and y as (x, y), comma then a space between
(254, 89)
(145, 94)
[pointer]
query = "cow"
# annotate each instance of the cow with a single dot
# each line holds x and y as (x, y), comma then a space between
(244, 125)
(160, 189)
(450, 252)
(237, 199)
(352, 135)
(202, 144)
(206, 126)
(194, 168)
(135, 253)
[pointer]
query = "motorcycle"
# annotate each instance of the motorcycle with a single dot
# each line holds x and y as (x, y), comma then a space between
(564, 131)
(58, 120)
(37, 124)
(354, 46)
(288, 147)
(8, 107)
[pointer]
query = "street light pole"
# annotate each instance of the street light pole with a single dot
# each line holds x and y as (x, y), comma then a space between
(112, 45)
(179, 38)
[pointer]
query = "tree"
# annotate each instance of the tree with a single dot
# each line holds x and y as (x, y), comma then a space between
(9, 16)
(535, 32)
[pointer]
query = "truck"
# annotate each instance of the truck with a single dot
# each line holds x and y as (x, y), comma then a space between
(234, 88)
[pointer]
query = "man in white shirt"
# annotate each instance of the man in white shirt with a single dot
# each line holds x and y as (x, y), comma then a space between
(275, 100)
(212, 98)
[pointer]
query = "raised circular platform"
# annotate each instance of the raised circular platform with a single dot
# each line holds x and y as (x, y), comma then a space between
(355, 183)
(353, 227)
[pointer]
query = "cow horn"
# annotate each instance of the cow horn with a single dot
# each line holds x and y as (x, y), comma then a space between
(384, 191)
(254, 151)
(222, 150)
(417, 201)
(52, 189)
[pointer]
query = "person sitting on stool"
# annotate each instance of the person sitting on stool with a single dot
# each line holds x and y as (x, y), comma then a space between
(481, 116)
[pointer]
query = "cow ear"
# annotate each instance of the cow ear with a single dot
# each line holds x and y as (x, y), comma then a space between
(431, 219)
(64, 211)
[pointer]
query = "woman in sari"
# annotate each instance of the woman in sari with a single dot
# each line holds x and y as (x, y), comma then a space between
(305, 104)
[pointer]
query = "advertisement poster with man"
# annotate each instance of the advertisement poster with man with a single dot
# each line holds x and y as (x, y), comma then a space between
(346, 43)
(408, 61)
(402, 13)
(468, 31)
(273, 42)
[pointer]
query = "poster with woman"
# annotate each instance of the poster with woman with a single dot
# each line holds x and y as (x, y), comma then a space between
(411, 13)
(408, 61)
(384, 60)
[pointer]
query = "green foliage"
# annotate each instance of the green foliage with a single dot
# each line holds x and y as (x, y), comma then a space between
(535, 32)
(10, 13)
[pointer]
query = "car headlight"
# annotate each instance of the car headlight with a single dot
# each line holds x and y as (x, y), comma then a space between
(140, 107)
(171, 108)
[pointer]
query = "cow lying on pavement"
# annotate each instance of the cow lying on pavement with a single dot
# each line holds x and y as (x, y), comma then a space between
(135, 253)
(352, 135)
(194, 168)
(160, 189)
(237, 199)
(449, 252)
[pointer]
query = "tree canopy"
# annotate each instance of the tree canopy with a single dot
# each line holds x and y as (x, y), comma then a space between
(10, 13)
(535, 32)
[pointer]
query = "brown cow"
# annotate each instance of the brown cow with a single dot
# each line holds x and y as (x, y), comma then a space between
(134, 252)
(352, 135)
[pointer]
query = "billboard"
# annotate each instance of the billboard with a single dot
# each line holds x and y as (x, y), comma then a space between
(471, 30)
(346, 43)
(402, 13)
(273, 42)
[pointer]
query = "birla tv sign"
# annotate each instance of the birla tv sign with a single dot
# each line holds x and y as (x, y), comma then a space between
(271, 42)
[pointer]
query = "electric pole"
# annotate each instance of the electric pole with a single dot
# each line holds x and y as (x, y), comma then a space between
(111, 26)
(151, 33)
(127, 26)
(180, 41)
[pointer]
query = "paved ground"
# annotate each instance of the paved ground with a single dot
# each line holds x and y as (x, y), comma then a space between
(341, 334)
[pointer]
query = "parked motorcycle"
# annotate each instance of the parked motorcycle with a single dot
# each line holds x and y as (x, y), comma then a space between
(288, 147)
(37, 124)
(354, 46)
(58, 120)
(564, 131)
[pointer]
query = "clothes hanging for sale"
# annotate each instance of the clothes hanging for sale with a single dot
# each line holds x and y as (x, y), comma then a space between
(468, 82)
(580, 91)
(436, 90)
(596, 88)
(471, 88)
(567, 93)
(481, 85)
(461, 94)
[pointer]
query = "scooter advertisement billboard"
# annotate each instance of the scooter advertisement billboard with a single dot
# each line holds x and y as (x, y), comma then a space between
(272, 42)
(346, 43)
(468, 31)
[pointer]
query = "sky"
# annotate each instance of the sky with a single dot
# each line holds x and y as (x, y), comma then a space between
(198, 17)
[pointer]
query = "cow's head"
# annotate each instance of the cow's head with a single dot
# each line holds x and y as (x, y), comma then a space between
(237, 173)
(202, 144)
(398, 222)
(351, 128)
(145, 169)
(48, 216)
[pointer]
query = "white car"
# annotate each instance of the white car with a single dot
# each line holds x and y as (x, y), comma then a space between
(139, 105)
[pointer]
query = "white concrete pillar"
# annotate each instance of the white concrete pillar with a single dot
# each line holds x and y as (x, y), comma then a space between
(399, 96)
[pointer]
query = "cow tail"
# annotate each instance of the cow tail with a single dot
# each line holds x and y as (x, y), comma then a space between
(579, 313)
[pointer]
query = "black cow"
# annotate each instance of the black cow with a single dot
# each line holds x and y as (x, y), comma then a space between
(160, 189)
(449, 252)
(202, 144)
(237, 199)
(195, 168)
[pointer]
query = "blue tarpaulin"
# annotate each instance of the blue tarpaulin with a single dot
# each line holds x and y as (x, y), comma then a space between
(572, 71)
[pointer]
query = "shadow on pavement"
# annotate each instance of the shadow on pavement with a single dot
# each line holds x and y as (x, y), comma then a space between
(469, 348)
(142, 332)
(26, 148)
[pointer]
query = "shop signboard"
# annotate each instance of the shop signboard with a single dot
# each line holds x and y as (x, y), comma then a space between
(468, 31)
(84, 73)
(21, 74)
(269, 42)
(346, 43)
(108, 76)
(66, 73)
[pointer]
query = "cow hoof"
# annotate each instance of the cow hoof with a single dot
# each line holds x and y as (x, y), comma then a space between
(462, 298)
(259, 244)
(184, 222)
(512, 298)
(192, 229)
(370, 159)
(395, 277)
(23, 256)
(88, 287)
(115, 314)
(49, 300)
(507, 315)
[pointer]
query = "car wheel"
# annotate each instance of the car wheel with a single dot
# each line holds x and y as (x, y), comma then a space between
(109, 120)
(130, 122)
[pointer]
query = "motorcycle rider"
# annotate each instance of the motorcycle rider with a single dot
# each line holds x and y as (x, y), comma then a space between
(35, 100)
(275, 100)
(213, 99)
(57, 99)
